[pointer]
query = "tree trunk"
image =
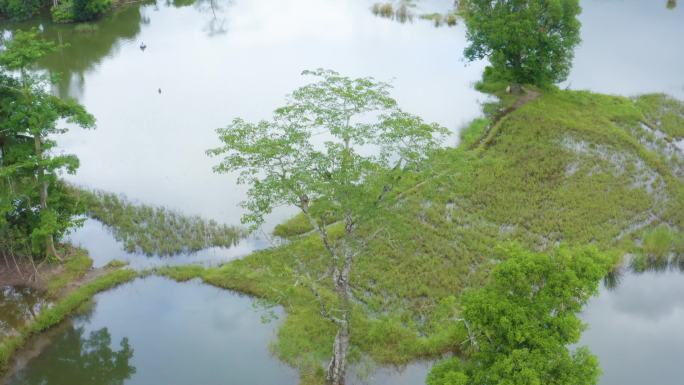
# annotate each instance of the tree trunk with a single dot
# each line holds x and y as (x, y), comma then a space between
(50, 251)
(338, 362)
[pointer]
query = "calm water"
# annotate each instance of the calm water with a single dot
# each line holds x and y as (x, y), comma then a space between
(18, 305)
(156, 331)
(214, 60)
(637, 330)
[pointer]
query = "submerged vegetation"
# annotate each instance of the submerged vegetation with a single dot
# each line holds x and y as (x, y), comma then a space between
(154, 230)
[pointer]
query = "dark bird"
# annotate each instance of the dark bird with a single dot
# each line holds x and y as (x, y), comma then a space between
(142, 46)
(159, 90)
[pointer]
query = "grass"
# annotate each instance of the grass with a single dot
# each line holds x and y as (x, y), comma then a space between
(74, 268)
(565, 168)
(156, 230)
(62, 308)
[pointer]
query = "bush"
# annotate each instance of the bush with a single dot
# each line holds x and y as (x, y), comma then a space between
(20, 9)
(86, 10)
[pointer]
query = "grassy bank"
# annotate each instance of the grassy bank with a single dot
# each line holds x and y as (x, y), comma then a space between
(68, 301)
(572, 168)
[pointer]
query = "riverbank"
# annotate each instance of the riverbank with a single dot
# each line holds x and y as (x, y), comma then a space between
(568, 167)
(68, 287)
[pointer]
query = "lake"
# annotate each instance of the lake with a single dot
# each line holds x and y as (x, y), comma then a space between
(206, 62)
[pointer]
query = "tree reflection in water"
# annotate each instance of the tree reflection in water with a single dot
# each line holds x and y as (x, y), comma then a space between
(74, 359)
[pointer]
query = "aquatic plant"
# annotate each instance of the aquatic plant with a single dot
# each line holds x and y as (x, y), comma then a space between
(154, 230)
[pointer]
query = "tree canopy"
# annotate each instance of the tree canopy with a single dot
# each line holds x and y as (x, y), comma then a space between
(521, 323)
(526, 41)
(35, 208)
(334, 151)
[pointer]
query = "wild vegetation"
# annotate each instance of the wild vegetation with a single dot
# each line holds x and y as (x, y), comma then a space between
(154, 230)
(35, 208)
(63, 11)
(283, 165)
(526, 41)
(522, 321)
(562, 169)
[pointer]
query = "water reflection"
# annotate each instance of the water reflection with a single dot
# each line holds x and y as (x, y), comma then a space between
(629, 47)
(103, 248)
(182, 334)
(17, 306)
(635, 329)
(85, 49)
(77, 358)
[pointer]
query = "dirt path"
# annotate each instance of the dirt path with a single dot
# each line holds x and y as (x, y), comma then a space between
(526, 97)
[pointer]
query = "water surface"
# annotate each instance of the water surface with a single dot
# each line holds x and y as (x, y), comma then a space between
(157, 331)
(637, 329)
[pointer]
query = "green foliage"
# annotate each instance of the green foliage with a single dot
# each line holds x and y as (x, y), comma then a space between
(35, 208)
(280, 162)
(521, 323)
(63, 12)
(20, 9)
(69, 11)
(155, 230)
(74, 268)
(87, 10)
(526, 41)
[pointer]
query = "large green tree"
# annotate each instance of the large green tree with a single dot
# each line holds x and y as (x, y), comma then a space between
(526, 41)
(521, 324)
(333, 151)
(31, 117)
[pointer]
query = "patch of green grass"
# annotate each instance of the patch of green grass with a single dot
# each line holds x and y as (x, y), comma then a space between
(116, 264)
(61, 309)
(75, 267)
(181, 273)
(664, 111)
(156, 230)
(297, 225)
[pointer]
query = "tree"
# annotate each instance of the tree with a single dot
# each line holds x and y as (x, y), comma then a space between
(30, 118)
(86, 10)
(334, 151)
(520, 324)
(526, 41)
